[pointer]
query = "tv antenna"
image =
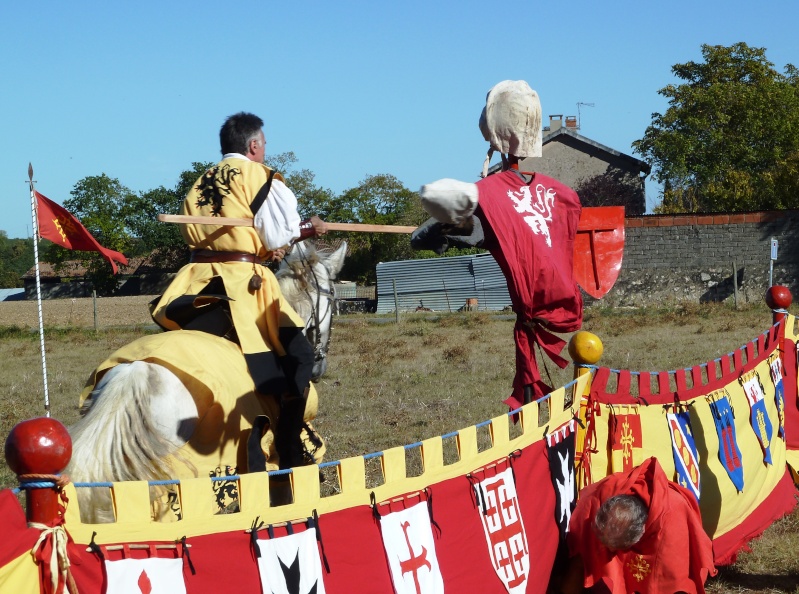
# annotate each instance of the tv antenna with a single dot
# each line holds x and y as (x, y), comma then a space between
(579, 103)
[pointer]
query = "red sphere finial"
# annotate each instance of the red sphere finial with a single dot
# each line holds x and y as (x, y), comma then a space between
(778, 297)
(38, 446)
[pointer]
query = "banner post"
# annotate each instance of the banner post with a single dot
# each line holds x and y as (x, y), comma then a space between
(35, 221)
(774, 247)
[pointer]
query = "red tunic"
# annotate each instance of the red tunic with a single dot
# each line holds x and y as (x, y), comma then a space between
(674, 554)
(533, 227)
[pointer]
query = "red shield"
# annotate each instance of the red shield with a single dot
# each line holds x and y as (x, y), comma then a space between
(599, 248)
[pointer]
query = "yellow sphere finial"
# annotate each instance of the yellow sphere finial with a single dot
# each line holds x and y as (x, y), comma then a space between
(585, 348)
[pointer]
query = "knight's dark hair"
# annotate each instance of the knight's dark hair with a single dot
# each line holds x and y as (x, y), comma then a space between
(237, 132)
(621, 521)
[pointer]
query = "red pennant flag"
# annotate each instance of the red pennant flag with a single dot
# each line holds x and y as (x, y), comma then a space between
(60, 227)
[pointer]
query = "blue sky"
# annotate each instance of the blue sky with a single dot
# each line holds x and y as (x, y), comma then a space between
(139, 90)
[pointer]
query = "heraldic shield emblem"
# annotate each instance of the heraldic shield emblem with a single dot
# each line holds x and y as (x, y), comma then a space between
(599, 248)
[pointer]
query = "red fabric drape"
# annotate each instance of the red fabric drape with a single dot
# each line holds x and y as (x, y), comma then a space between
(533, 226)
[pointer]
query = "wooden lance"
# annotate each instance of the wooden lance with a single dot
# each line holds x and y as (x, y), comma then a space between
(245, 222)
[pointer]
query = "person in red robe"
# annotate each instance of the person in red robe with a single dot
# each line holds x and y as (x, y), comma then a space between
(528, 222)
(638, 531)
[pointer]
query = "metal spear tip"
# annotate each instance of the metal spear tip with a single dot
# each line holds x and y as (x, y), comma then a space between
(30, 171)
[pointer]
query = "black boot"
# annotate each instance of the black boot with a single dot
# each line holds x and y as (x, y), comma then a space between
(288, 440)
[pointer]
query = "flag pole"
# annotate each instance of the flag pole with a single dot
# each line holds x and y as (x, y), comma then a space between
(35, 221)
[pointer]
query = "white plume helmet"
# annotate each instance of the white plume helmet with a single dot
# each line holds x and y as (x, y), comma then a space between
(511, 121)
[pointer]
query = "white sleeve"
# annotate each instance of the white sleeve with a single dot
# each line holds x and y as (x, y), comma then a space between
(449, 201)
(277, 221)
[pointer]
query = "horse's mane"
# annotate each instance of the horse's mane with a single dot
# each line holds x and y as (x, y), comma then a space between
(118, 424)
(295, 277)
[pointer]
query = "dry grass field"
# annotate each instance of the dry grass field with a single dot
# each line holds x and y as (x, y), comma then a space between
(77, 313)
(391, 384)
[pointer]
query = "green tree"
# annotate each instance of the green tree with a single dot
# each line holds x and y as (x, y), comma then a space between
(311, 199)
(613, 188)
(729, 140)
(163, 241)
(102, 205)
(16, 258)
(378, 199)
(382, 200)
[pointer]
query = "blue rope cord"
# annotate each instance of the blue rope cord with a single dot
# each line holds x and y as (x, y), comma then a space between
(38, 485)
(409, 446)
(165, 482)
(673, 371)
(49, 484)
(80, 485)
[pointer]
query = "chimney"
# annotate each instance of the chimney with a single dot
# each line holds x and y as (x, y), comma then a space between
(571, 122)
(555, 122)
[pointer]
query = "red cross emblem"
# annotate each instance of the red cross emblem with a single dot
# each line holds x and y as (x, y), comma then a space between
(415, 562)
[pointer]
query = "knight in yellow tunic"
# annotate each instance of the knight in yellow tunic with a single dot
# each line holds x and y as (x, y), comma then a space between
(227, 291)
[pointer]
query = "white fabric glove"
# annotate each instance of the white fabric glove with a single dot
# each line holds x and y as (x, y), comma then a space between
(449, 201)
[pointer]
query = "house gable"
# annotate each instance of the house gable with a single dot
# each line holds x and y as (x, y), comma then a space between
(572, 158)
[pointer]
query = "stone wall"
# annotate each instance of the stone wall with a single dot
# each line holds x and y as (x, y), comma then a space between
(666, 259)
(692, 257)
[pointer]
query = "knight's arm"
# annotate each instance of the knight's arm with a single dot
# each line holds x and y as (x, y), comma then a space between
(277, 220)
(312, 227)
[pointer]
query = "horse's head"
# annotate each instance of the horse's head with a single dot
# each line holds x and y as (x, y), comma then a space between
(306, 280)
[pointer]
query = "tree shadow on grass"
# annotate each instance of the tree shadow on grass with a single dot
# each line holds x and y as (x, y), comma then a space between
(730, 579)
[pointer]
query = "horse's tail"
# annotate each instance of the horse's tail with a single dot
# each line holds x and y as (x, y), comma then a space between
(121, 437)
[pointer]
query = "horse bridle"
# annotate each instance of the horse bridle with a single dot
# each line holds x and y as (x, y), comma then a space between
(319, 349)
(312, 326)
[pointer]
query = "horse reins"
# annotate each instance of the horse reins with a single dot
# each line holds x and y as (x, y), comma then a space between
(320, 350)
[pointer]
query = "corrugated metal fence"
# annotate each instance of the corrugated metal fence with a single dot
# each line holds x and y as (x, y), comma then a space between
(350, 290)
(442, 284)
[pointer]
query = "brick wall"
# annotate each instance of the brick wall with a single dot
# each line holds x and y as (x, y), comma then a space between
(692, 257)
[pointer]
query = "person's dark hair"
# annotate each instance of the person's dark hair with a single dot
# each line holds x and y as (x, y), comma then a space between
(620, 521)
(237, 132)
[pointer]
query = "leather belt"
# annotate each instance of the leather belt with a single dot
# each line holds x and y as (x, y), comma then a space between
(211, 256)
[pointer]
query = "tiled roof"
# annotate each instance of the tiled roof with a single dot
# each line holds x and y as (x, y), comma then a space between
(74, 269)
(12, 294)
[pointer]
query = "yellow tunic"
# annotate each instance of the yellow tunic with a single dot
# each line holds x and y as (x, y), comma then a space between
(257, 314)
(215, 374)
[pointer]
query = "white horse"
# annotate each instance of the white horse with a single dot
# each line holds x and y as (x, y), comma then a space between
(182, 403)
